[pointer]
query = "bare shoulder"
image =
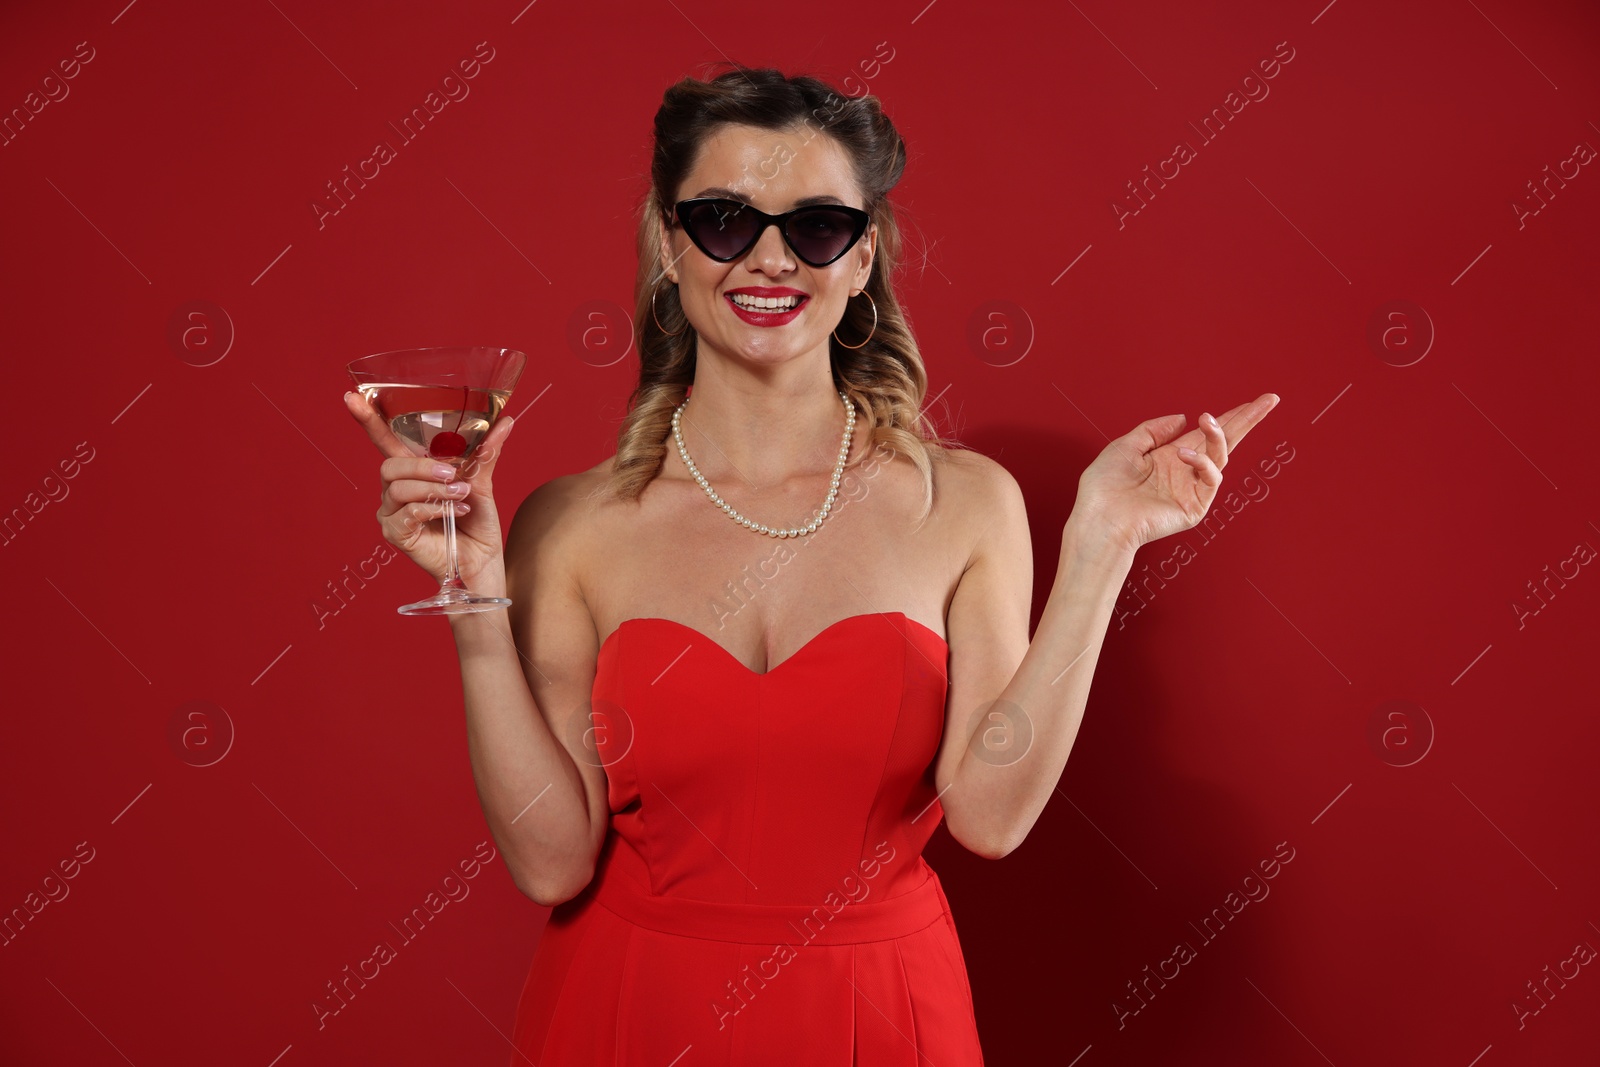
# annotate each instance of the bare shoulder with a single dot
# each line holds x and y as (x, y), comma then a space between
(554, 522)
(981, 492)
(555, 507)
(972, 472)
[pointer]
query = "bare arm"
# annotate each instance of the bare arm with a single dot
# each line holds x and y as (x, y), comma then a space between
(1015, 705)
(526, 676)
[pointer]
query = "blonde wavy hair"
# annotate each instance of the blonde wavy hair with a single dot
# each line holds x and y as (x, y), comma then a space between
(884, 379)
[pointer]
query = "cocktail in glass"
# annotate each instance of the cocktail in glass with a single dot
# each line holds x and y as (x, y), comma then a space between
(442, 402)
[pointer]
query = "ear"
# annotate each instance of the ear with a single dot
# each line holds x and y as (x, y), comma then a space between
(869, 251)
(667, 257)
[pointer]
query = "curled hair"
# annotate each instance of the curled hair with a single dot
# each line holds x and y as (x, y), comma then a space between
(884, 379)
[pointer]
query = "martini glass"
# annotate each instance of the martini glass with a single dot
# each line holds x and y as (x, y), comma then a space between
(441, 402)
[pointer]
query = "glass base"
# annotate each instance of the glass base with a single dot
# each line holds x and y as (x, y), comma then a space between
(456, 601)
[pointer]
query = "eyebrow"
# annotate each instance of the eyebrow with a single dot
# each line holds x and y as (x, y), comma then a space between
(806, 201)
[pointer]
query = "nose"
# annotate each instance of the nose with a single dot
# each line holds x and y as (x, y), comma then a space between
(770, 253)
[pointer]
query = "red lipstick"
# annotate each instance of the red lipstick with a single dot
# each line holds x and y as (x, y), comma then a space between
(767, 318)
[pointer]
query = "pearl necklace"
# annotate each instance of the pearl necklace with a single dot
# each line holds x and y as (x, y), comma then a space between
(827, 505)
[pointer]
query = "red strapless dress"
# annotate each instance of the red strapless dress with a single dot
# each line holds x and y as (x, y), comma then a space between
(761, 896)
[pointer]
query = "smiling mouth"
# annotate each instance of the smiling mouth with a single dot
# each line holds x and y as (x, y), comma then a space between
(766, 305)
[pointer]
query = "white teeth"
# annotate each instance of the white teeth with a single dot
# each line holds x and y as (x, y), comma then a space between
(765, 303)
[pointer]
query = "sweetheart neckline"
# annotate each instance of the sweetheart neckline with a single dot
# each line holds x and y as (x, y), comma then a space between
(737, 662)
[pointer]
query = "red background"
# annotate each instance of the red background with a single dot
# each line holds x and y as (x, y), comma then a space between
(1233, 710)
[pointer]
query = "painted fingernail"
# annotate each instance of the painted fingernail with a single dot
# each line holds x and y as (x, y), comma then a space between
(444, 472)
(456, 488)
(1187, 452)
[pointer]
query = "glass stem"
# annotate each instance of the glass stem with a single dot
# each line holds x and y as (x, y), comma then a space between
(452, 578)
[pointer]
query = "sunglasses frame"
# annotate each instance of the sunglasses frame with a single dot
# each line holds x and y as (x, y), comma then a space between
(859, 218)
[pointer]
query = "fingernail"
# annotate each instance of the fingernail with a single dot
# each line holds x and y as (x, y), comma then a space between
(1189, 452)
(444, 472)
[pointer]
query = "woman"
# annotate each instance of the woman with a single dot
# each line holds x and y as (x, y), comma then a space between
(717, 748)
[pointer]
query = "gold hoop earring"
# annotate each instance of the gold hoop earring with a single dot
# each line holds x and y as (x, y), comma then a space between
(653, 315)
(874, 329)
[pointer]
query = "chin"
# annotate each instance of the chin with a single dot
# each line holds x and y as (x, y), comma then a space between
(774, 352)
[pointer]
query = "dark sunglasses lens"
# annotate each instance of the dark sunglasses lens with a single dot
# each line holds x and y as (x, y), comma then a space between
(721, 229)
(822, 235)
